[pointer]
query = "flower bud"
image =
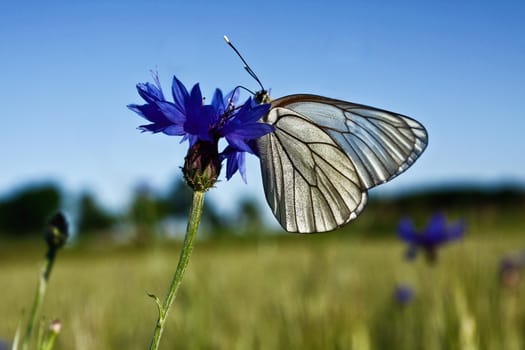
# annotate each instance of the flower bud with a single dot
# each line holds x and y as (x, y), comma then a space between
(202, 166)
(55, 326)
(56, 232)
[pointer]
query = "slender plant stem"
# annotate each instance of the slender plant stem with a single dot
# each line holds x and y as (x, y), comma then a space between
(191, 231)
(49, 342)
(39, 297)
(49, 338)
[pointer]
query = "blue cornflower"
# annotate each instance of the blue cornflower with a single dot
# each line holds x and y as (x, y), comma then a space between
(203, 126)
(403, 294)
(435, 235)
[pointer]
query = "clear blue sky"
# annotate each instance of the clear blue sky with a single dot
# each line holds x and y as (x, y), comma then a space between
(69, 69)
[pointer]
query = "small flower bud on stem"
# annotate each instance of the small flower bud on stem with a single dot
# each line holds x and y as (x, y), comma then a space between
(52, 332)
(56, 234)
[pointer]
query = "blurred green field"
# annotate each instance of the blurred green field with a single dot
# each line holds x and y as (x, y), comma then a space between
(323, 291)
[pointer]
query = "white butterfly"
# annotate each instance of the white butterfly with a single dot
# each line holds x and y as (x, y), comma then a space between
(325, 154)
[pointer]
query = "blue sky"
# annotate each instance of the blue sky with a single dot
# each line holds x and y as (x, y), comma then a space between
(69, 69)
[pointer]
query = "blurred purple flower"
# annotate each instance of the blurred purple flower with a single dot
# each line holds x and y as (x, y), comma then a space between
(196, 122)
(510, 270)
(436, 234)
(403, 294)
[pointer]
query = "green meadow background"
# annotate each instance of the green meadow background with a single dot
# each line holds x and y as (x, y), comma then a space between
(283, 291)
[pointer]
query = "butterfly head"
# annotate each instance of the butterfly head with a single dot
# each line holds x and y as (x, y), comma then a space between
(262, 96)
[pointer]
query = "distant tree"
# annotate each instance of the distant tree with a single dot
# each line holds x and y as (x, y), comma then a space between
(92, 217)
(26, 211)
(249, 220)
(144, 214)
(177, 204)
(178, 200)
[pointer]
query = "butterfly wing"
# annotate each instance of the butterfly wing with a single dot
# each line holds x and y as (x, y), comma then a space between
(325, 154)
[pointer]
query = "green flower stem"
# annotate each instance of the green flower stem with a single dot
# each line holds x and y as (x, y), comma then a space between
(39, 297)
(49, 339)
(191, 231)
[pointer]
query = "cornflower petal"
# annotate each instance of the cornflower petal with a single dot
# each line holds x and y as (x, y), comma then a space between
(245, 120)
(234, 161)
(232, 165)
(174, 130)
(180, 94)
(218, 102)
(437, 227)
(251, 131)
(406, 230)
(195, 100)
(242, 165)
(150, 92)
(198, 123)
(151, 113)
(254, 112)
(171, 112)
(153, 95)
(238, 144)
(241, 139)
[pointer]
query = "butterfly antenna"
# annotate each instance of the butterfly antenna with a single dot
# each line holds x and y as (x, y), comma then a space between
(245, 88)
(246, 66)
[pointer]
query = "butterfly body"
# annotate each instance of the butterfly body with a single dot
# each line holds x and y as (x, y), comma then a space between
(325, 154)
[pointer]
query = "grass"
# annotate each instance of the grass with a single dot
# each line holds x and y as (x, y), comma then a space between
(293, 292)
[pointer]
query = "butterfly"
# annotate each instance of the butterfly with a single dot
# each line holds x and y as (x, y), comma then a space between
(325, 154)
